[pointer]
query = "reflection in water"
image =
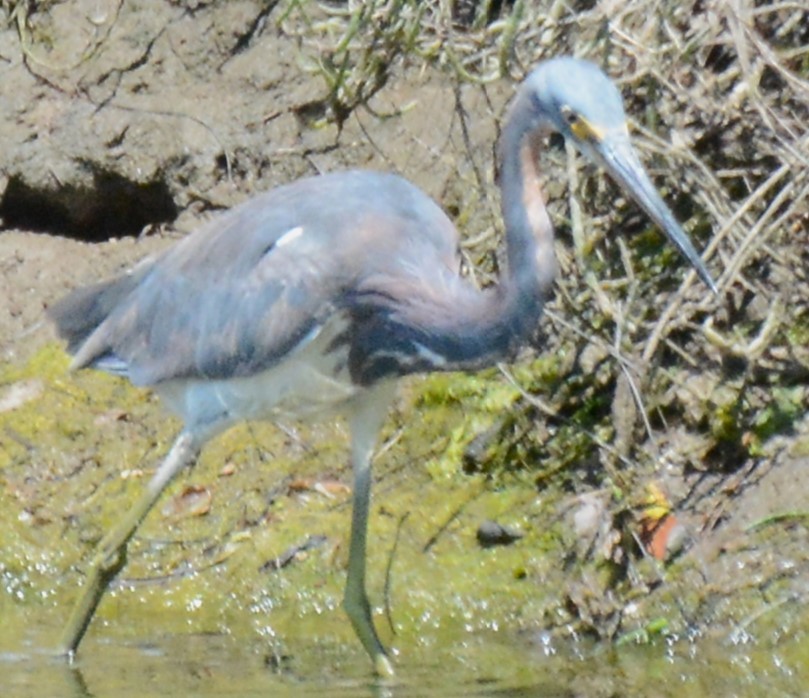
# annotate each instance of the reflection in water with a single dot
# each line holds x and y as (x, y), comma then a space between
(74, 680)
(497, 665)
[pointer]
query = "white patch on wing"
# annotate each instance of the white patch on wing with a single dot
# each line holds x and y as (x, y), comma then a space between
(422, 353)
(429, 355)
(289, 236)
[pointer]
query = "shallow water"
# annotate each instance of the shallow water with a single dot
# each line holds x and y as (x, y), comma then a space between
(495, 664)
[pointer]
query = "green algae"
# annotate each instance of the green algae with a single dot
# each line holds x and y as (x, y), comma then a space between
(78, 454)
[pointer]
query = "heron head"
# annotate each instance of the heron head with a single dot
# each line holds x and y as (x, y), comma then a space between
(575, 98)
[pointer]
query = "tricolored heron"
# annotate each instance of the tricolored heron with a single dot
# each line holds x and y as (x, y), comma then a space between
(315, 296)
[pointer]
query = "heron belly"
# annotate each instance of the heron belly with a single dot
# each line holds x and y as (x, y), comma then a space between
(313, 380)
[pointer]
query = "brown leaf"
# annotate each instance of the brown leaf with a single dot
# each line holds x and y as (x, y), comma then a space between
(328, 487)
(227, 469)
(194, 500)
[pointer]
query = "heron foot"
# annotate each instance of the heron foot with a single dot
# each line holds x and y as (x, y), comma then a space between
(383, 667)
(359, 613)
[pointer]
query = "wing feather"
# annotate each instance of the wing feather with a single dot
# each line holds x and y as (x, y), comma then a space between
(229, 300)
(225, 301)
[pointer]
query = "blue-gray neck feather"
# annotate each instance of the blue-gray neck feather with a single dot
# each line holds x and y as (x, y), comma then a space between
(447, 324)
(529, 233)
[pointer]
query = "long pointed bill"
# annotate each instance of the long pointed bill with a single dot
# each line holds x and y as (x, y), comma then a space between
(618, 157)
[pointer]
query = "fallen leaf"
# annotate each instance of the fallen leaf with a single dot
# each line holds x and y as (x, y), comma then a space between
(17, 394)
(664, 539)
(194, 500)
(328, 488)
(110, 417)
(227, 469)
(661, 532)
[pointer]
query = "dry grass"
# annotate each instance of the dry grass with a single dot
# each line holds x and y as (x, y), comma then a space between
(718, 97)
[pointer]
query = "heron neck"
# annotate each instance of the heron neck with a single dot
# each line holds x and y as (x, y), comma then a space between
(496, 323)
(505, 317)
(529, 232)
(449, 326)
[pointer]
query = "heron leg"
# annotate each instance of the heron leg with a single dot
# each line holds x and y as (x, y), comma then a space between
(110, 556)
(366, 420)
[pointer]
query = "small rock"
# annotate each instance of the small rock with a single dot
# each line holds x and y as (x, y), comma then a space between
(491, 533)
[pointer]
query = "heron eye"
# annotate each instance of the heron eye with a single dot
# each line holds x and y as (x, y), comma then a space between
(569, 115)
(580, 127)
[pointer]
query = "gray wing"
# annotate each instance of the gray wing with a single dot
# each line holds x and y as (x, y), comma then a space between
(237, 295)
(228, 300)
